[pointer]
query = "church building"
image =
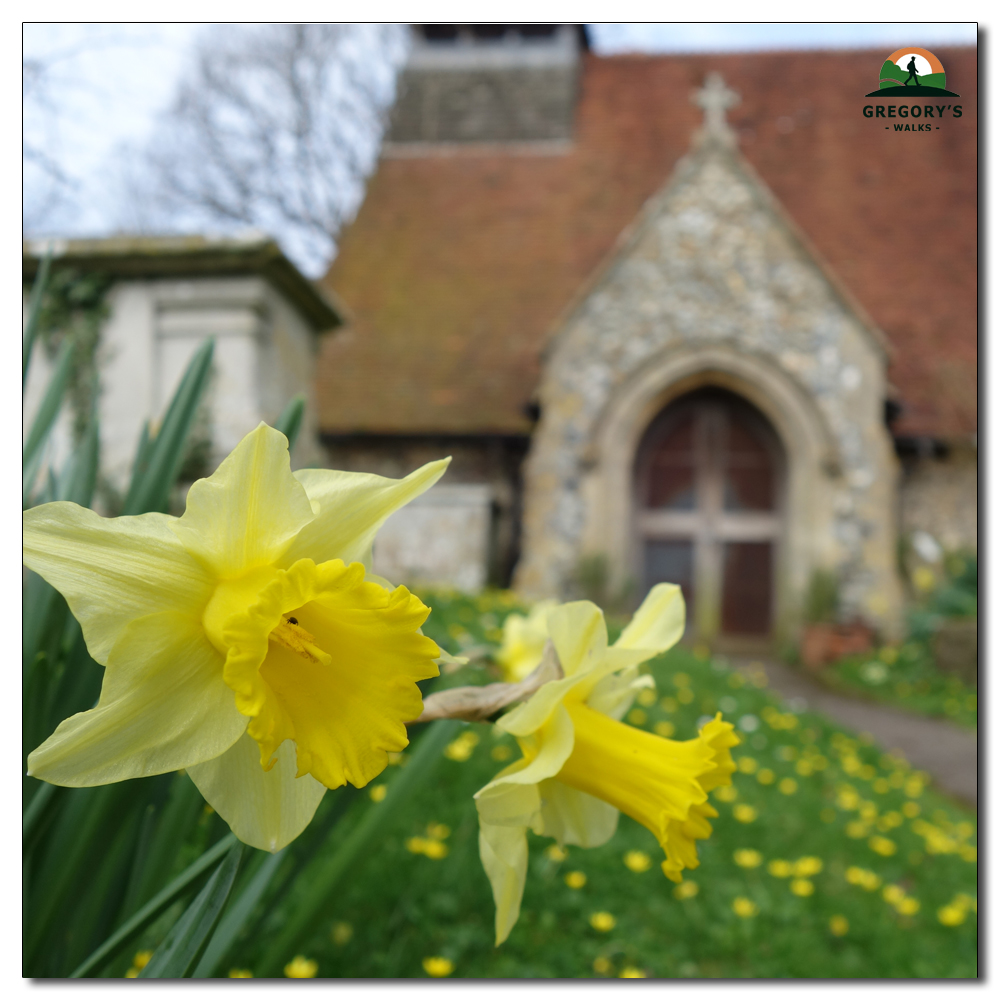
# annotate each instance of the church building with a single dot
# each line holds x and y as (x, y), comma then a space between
(689, 318)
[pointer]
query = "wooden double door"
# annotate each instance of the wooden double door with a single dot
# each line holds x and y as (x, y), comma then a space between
(709, 475)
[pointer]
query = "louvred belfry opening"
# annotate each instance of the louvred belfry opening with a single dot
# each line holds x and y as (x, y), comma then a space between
(708, 489)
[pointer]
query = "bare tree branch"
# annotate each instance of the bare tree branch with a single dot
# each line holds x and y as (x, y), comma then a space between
(277, 127)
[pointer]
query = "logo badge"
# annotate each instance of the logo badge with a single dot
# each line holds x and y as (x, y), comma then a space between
(912, 72)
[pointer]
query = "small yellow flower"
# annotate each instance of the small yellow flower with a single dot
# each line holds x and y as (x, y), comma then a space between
(638, 861)
(726, 793)
(744, 907)
(575, 880)
(890, 820)
(892, 894)
(908, 905)
(746, 765)
(377, 792)
(685, 696)
(240, 974)
(556, 853)
(779, 868)
(667, 729)
(765, 776)
(968, 853)
(951, 915)
(807, 866)
(668, 704)
(880, 786)
(744, 813)
(602, 966)
(341, 932)
(681, 680)
(461, 747)
(301, 967)
(883, 846)
(685, 890)
(631, 972)
(646, 697)
(746, 857)
(856, 829)
(637, 717)
(802, 887)
(839, 925)
(439, 831)
(435, 849)
(862, 877)
(788, 786)
(438, 967)
(602, 921)
(501, 752)
(141, 959)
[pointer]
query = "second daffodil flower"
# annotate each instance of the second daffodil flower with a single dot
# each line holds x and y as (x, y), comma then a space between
(245, 641)
(581, 766)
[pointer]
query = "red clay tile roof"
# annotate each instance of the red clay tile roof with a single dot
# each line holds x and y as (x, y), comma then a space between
(457, 266)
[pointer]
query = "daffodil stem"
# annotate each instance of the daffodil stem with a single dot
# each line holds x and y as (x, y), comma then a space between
(153, 908)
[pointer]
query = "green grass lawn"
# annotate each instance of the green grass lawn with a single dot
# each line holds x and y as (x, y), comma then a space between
(829, 857)
(908, 678)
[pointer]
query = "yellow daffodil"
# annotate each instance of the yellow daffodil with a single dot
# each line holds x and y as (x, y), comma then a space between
(245, 641)
(581, 766)
(524, 640)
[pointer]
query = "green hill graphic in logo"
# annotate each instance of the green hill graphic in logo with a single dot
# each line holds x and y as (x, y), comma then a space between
(912, 72)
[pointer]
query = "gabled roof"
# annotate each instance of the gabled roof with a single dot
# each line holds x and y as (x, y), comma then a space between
(459, 264)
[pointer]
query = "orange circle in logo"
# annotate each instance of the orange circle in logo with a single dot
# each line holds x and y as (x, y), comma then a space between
(915, 50)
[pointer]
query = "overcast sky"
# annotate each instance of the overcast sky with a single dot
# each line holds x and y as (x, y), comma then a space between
(92, 92)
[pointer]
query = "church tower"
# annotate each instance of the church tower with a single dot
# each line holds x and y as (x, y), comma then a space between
(488, 83)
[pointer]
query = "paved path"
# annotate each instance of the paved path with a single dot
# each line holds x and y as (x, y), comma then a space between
(945, 751)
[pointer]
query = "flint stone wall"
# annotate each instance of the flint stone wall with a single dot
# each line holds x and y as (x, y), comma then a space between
(713, 264)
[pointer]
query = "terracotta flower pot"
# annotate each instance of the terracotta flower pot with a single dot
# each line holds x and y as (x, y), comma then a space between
(824, 643)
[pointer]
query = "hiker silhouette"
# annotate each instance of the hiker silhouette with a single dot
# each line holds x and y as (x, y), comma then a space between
(911, 68)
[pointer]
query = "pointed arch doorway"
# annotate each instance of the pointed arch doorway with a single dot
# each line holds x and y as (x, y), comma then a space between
(709, 485)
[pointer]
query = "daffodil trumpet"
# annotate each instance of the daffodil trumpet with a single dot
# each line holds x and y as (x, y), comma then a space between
(246, 641)
(582, 766)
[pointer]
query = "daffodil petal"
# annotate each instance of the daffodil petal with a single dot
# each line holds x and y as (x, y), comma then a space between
(504, 853)
(265, 809)
(574, 817)
(534, 713)
(580, 636)
(658, 624)
(350, 507)
(345, 707)
(112, 570)
(247, 513)
(613, 695)
(163, 706)
(508, 805)
(555, 741)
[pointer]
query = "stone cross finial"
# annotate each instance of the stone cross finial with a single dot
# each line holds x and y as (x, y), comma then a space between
(714, 98)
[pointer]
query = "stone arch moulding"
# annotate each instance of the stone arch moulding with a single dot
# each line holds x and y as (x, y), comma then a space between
(811, 456)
